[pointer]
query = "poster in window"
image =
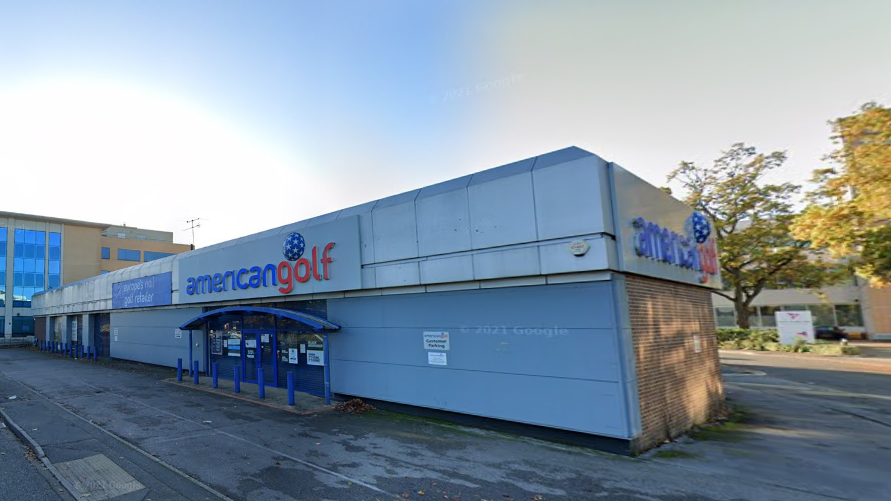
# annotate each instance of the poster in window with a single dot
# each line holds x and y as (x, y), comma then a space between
(315, 357)
(292, 356)
(216, 344)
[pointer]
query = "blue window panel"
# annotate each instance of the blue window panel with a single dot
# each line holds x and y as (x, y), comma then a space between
(55, 239)
(28, 266)
(28, 280)
(151, 256)
(28, 251)
(30, 236)
(17, 279)
(106, 253)
(2, 279)
(55, 253)
(18, 249)
(18, 263)
(38, 265)
(22, 326)
(38, 281)
(55, 267)
(128, 255)
(54, 281)
(39, 251)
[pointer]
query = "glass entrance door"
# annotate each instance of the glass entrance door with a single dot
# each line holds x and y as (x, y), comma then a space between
(259, 351)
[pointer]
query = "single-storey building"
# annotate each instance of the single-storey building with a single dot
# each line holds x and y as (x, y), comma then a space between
(560, 292)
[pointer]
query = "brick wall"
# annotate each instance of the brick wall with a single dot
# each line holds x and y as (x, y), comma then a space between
(677, 386)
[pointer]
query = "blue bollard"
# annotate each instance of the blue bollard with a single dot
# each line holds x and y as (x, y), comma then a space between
(260, 383)
(291, 388)
(179, 369)
(195, 372)
(237, 378)
(214, 371)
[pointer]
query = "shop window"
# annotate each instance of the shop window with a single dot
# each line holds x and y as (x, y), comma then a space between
(106, 253)
(128, 255)
(822, 314)
(768, 316)
(848, 315)
(725, 317)
(151, 256)
(22, 326)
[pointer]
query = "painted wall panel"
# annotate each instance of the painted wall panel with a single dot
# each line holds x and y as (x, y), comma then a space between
(443, 223)
(507, 263)
(449, 269)
(557, 258)
(395, 232)
(571, 404)
(148, 336)
(502, 212)
(556, 341)
(564, 205)
(397, 275)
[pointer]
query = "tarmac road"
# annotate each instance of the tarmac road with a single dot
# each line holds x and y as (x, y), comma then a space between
(171, 442)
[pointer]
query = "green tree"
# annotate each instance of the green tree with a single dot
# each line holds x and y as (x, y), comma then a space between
(849, 212)
(752, 221)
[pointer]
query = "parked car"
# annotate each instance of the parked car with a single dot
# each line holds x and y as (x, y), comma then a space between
(830, 332)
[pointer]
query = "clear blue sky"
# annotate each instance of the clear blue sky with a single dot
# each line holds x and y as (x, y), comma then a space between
(251, 115)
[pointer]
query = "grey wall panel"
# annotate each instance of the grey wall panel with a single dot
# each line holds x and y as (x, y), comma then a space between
(556, 258)
(502, 211)
(148, 336)
(564, 205)
(397, 275)
(558, 342)
(443, 223)
(395, 232)
(508, 263)
(449, 269)
(572, 404)
(571, 306)
(366, 230)
(550, 351)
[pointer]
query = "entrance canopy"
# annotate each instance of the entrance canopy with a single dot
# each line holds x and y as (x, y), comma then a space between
(318, 324)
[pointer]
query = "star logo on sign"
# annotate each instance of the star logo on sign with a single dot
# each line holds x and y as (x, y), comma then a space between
(294, 246)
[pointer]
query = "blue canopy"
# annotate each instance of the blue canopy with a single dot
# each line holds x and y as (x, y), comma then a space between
(318, 324)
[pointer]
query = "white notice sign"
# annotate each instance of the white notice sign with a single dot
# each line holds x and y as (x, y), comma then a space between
(250, 343)
(264, 338)
(795, 326)
(292, 355)
(115, 333)
(74, 330)
(436, 341)
(177, 333)
(315, 357)
(434, 358)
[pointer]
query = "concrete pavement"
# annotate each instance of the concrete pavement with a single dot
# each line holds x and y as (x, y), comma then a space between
(240, 450)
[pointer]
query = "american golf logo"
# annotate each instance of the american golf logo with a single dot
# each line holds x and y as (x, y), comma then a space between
(695, 250)
(284, 275)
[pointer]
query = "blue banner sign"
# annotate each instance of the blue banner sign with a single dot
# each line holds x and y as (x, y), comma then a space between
(154, 290)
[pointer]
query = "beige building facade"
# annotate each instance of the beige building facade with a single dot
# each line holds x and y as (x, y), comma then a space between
(41, 252)
(862, 310)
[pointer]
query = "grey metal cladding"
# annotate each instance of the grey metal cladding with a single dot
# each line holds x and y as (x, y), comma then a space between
(148, 336)
(445, 187)
(566, 201)
(395, 232)
(443, 223)
(502, 212)
(561, 156)
(557, 342)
